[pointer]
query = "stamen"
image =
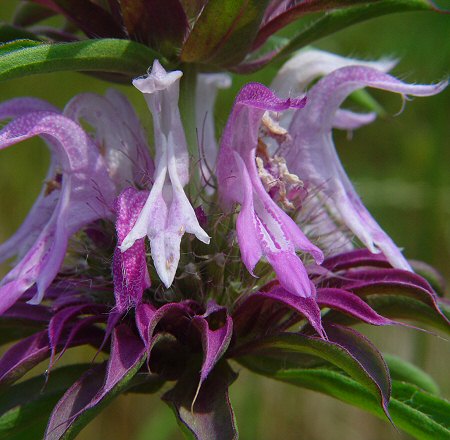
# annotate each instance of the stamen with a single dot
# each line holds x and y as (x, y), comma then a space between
(284, 187)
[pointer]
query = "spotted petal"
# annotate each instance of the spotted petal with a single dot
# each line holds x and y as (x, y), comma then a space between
(263, 228)
(167, 213)
(130, 271)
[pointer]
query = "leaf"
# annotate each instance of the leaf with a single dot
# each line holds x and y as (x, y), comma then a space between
(346, 349)
(339, 19)
(106, 55)
(204, 413)
(97, 388)
(293, 13)
(412, 410)
(224, 32)
(25, 407)
(395, 299)
(27, 353)
(407, 308)
(216, 328)
(402, 370)
(162, 24)
(91, 18)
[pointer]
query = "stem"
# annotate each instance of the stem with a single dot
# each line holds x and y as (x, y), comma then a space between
(188, 85)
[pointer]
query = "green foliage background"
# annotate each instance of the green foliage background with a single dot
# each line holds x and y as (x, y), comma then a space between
(400, 166)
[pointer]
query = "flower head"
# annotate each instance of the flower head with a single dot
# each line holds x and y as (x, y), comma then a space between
(282, 299)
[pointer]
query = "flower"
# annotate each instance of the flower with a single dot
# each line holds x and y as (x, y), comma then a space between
(167, 213)
(280, 300)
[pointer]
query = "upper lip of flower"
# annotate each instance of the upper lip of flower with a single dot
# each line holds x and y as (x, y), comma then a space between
(85, 194)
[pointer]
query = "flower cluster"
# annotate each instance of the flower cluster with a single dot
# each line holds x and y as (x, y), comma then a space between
(260, 249)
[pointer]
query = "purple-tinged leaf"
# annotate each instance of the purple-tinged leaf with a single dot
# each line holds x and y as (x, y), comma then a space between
(293, 11)
(144, 317)
(224, 32)
(345, 349)
(210, 416)
(22, 320)
(81, 403)
(350, 304)
(90, 18)
(367, 355)
(27, 353)
(216, 328)
(162, 24)
(28, 404)
(407, 308)
(262, 312)
(74, 400)
(62, 320)
(353, 259)
(23, 356)
(193, 7)
(381, 288)
(74, 331)
(28, 312)
(338, 19)
(354, 278)
(171, 317)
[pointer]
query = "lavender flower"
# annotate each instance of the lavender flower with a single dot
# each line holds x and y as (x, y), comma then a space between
(272, 302)
(167, 213)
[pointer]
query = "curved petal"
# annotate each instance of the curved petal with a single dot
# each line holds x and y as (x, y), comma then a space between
(308, 65)
(313, 156)
(296, 74)
(85, 195)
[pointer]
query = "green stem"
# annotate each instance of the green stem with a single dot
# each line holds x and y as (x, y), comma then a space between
(187, 109)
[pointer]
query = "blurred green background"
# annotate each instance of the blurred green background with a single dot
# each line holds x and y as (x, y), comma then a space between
(400, 166)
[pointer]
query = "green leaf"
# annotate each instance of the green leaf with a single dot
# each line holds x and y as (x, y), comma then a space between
(224, 32)
(404, 371)
(336, 20)
(106, 55)
(350, 352)
(416, 412)
(25, 407)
